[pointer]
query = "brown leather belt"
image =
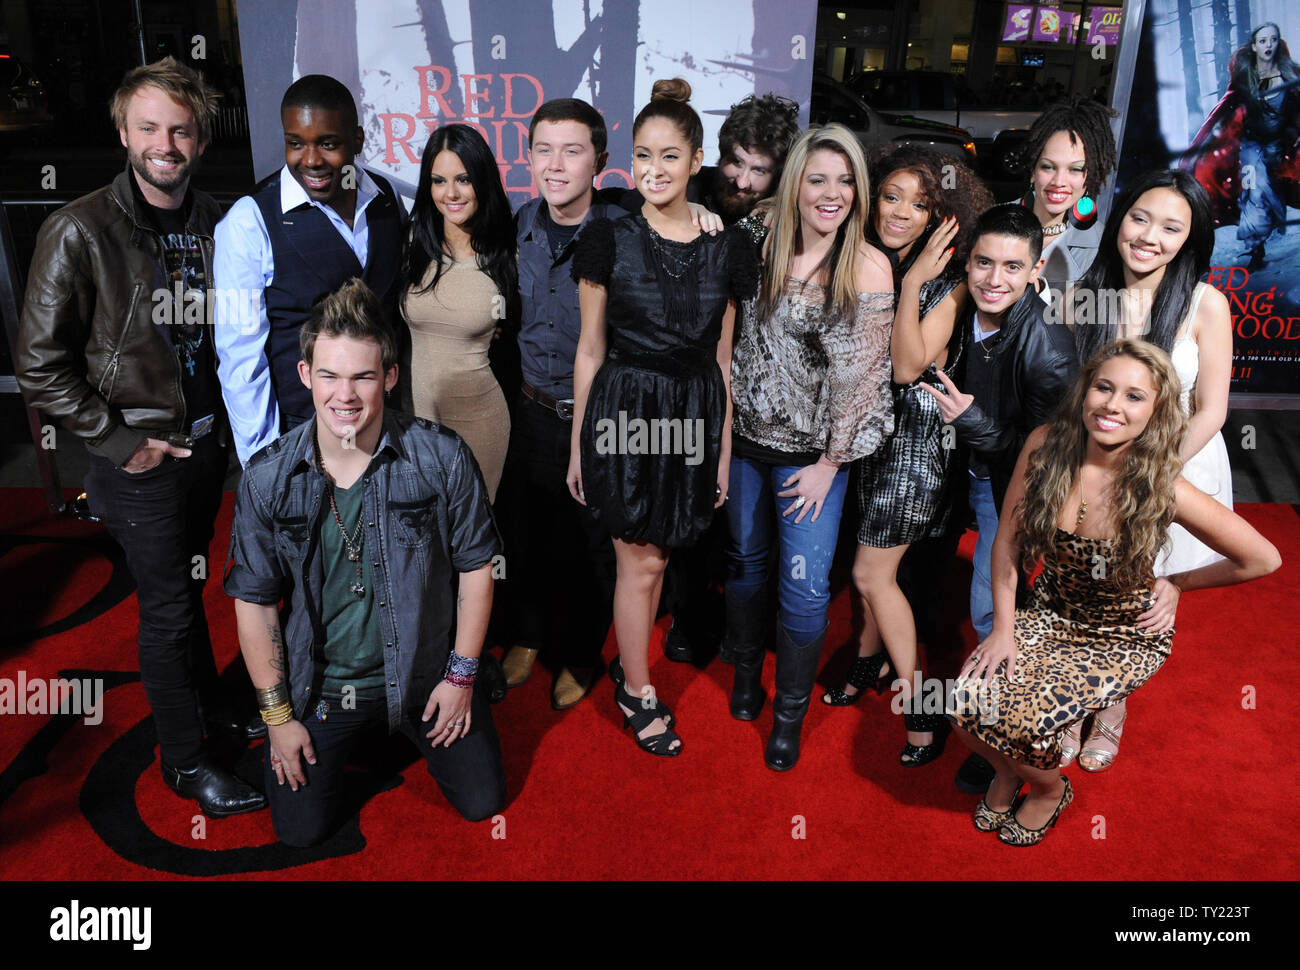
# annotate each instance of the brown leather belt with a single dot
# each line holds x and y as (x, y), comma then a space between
(564, 409)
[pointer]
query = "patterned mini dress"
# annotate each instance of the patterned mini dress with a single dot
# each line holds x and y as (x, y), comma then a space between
(1078, 650)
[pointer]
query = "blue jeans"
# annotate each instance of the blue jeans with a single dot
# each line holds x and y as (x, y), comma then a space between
(981, 584)
(806, 548)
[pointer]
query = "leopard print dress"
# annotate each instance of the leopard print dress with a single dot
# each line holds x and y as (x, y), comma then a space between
(1078, 650)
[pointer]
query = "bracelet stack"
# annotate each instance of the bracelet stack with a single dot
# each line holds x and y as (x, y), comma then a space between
(461, 671)
(273, 704)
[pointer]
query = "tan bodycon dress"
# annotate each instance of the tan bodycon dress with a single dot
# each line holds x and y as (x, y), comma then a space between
(451, 380)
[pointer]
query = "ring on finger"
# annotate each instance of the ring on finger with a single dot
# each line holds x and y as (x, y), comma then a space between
(800, 502)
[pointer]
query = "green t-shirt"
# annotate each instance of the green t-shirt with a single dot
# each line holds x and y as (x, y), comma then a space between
(354, 645)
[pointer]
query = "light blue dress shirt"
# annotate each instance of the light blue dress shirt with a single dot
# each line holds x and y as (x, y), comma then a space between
(243, 267)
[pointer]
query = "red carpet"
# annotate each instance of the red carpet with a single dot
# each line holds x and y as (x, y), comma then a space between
(1204, 788)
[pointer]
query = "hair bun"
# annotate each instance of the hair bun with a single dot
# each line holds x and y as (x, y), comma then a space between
(671, 89)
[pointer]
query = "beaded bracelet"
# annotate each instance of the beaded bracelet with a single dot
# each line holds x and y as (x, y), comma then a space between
(456, 680)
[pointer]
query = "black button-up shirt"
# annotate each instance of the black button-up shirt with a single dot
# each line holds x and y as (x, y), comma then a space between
(427, 515)
(550, 323)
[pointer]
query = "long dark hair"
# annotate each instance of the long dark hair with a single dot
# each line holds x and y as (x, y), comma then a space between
(1097, 327)
(492, 232)
(1245, 77)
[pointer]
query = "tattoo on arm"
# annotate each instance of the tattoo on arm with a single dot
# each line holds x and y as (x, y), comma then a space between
(279, 659)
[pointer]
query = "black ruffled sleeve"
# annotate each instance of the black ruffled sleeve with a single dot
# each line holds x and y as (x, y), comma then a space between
(593, 258)
(742, 264)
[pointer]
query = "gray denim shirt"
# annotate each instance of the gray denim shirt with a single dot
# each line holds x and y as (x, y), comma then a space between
(548, 297)
(427, 517)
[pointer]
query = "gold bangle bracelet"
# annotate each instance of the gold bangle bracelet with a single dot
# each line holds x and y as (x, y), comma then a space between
(278, 715)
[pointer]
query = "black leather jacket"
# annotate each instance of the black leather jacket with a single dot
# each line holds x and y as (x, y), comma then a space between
(89, 353)
(1034, 364)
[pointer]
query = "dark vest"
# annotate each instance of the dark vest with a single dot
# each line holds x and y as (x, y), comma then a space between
(311, 259)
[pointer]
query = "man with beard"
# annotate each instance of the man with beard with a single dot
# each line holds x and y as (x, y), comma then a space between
(752, 144)
(115, 344)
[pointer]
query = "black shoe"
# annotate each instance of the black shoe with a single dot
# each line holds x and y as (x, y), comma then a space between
(745, 623)
(641, 718)
(493, 678)
(915, 755)
(974, 776)
(620, 679)
(677, 645)
(796, 671)
(218, 792)
(863, 676)
(225, 720)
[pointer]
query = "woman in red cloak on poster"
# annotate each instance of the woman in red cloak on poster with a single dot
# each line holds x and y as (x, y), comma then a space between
(1253, 133)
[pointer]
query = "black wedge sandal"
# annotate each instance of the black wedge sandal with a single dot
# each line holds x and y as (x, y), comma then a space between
(863, 676)
(658, 744)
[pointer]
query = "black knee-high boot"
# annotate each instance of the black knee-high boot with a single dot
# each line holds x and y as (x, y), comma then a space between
(746, 626)
(796, 671)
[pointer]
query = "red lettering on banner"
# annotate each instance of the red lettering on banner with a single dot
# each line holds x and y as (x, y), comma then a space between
(426, 92)
(521, 143)
(392, 139)
(510, 112)
(1290, 323)
(472, 97)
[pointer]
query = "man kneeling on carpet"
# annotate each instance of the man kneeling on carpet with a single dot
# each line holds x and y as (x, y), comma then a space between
(360, 519)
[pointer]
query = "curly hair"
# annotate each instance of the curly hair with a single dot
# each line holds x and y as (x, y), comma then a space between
(764, 123)
(949, 187)
(1143, 490)
(1087, 121)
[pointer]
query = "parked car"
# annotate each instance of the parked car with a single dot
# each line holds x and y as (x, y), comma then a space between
(832, 101)
(998, 131)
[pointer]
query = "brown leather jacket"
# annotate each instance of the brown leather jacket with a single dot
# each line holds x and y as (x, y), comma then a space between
(89, 354)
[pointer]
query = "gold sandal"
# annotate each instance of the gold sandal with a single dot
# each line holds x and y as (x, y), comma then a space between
(1100, 758)
(1071, 743)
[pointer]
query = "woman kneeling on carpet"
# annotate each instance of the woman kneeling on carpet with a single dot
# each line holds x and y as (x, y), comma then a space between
(1110, 457)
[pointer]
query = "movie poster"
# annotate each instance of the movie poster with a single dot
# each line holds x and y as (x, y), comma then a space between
(416, 64)
(1197, 102)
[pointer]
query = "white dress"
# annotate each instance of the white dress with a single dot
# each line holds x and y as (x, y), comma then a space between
(1208, 469)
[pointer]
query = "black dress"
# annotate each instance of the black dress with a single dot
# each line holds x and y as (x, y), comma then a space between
(652, 431)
